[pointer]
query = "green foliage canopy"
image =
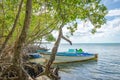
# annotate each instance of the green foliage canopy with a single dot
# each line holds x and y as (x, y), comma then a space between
(48, 15)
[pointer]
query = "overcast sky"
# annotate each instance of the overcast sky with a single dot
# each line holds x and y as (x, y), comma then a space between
(108, 33)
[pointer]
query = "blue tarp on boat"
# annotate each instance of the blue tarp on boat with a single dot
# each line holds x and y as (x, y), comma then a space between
(35, 55)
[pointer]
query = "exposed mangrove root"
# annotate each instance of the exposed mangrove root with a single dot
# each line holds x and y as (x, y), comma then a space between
(12, 73)
(30, 71)
(33, 69)
(52, 73)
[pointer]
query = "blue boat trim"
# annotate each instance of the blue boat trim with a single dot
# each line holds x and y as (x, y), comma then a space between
(73, 54)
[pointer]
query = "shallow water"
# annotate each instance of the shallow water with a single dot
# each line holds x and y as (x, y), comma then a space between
(106, 68)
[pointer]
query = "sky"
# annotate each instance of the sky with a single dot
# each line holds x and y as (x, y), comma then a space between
(108, 33)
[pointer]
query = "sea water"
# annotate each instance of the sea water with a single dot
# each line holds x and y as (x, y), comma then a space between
(106, 68)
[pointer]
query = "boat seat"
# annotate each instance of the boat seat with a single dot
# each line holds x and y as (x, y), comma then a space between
(71, 50)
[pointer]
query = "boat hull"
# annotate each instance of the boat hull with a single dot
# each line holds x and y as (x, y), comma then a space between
(65, 59)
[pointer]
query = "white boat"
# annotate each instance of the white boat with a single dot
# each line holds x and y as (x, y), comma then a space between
(66, 57)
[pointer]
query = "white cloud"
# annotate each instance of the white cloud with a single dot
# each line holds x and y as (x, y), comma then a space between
(107, 33)
(115, 12)
(111, 26)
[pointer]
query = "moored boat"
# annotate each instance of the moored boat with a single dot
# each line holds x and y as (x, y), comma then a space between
(67, 57)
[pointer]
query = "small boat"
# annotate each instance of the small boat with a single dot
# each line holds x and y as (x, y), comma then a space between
(67, 57)
(34, 55)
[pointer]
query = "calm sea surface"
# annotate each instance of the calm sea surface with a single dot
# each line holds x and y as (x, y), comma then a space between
(106, 68)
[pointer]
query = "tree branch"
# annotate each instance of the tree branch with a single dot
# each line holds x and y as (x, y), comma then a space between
(12, 30)
(66, 39)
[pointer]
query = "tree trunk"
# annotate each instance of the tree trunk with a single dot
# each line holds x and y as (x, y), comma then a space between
(21, 40)
(12, 30)
(54, 51)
